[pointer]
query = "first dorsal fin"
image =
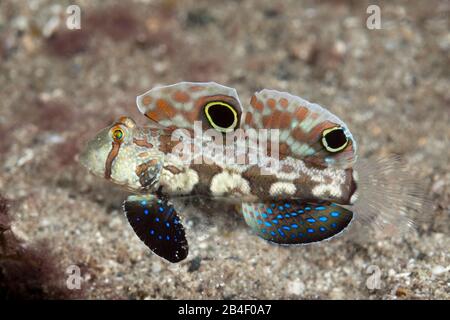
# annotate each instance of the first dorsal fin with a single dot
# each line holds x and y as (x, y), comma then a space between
(180, 104)
(307, 130)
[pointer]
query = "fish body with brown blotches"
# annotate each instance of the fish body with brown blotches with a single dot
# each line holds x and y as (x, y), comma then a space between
(306, 187)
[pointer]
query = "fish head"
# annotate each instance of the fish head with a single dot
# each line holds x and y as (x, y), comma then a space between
(126, 155)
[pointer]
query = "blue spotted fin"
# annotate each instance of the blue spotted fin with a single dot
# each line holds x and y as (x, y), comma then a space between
(157, 224)
(296, 221)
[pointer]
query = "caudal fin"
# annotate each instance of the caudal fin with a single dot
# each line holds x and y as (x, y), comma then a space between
(389, 195)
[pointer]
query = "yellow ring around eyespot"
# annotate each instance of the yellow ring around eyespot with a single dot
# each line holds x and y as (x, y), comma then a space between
(324, 141)
(219, 128)
(117, 134)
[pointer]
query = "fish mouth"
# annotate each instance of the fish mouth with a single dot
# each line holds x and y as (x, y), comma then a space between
(83, 160)
(91, 158)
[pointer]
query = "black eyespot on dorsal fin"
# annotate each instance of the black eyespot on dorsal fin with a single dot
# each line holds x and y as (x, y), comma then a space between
(221, 115)
(334, 139)
(182, 104)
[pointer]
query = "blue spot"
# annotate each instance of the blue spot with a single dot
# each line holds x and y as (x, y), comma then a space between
(152, 232)
(159, 237)
(281, 233)
(287, 205)
(273, 205)
(311, 220)
(294, 225)
(307, 208)
(259, 221)
(335, 214)
(146, 211)
(286, 228)
(264, 215)
(143, 203)
(300, 211)
(273, 233)
(300, 235)
(280, 208)
(322, 229)
(333, 225)
(287, 215)
(161, 209)
(294, 214)
(310, 230)
(333, 205)
(274, 221)
(279, 216)
(323, 219)
(176, 221)
(267, 223)
(167, 237)
(157, 219)
(320, 208)
(292, 235)
(263, 230)
(269, 211)
(167, 225)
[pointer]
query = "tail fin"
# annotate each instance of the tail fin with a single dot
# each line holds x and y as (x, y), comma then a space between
(388, 195)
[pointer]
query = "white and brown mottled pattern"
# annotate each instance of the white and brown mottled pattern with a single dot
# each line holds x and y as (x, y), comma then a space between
(301, 124)
(229, 183)
(306, 169)
(180, 183)
(282, 188)
(213, 177)
(181, 104)
(144, 162)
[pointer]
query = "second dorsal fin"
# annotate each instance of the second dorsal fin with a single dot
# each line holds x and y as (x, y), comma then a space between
(307, 130)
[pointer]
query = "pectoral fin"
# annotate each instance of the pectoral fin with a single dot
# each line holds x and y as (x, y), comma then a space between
(295, 221)
(157, 224)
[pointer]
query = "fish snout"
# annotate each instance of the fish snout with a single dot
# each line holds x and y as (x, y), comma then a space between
(93, 156)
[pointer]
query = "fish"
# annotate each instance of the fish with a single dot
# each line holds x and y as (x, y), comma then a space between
(290, 165)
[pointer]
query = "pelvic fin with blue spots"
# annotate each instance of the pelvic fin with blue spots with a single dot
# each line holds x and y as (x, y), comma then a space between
(295, 221)
(157, 224)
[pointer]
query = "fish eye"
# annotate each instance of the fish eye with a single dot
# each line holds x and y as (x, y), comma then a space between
(221, 115)
(117, 134)
(334, 139)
